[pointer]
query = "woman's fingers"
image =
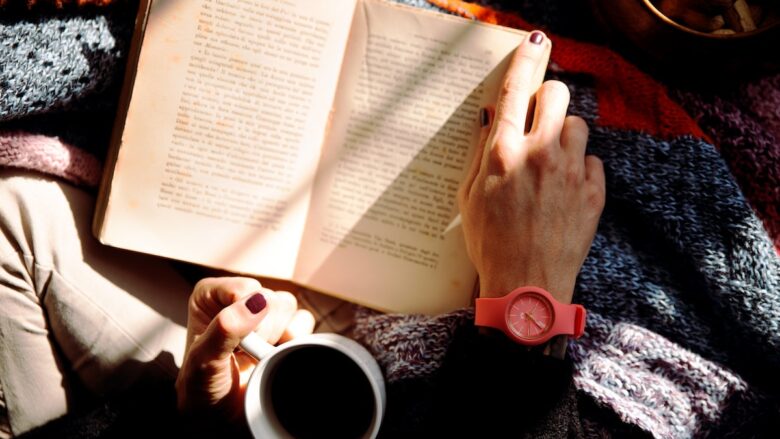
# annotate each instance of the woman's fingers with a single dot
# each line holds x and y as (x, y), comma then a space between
(552, 101)
(213, 301)
(485, 122)
(281, 309)
(596, 184)
(230, 325)
(301, 323)
(594, 172)
(574, 138)
(210, 296)
(519, 85)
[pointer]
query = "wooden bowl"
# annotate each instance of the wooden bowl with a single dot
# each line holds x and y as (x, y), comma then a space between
(671, 45)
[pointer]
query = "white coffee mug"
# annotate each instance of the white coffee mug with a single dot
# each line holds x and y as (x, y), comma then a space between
(261, 405)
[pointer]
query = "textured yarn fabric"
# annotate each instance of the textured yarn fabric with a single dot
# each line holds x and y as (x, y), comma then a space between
(52, 63)
(60, 73)
(409, 346)
(652, 383)
(682, 282)
(745, 121)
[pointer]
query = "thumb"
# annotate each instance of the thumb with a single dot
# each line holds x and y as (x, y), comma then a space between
(233, 323)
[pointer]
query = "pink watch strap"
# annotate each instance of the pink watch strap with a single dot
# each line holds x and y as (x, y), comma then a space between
(491, 312)
(569, 319)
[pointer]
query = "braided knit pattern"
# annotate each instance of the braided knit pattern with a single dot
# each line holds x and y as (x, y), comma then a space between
(650, 382)
(50, 155)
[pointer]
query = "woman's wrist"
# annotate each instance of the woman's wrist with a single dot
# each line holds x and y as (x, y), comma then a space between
(501, 286)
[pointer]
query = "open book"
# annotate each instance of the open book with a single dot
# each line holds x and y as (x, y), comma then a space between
(320, 142)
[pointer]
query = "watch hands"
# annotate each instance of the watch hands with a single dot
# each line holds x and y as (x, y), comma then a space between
(536, 322)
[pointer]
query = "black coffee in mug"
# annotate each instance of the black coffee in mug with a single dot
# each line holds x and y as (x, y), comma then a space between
(319, 392)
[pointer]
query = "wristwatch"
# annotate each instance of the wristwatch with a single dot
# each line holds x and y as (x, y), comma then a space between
(530, 316)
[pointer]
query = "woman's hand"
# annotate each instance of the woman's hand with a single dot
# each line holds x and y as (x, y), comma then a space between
(532, 200)
(222, 311)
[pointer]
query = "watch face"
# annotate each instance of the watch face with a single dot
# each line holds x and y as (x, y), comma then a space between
(530, 316)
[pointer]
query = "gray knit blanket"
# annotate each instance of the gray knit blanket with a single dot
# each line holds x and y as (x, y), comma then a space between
(682, 283)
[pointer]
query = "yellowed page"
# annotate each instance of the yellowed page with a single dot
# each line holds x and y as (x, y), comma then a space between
(404, 131)
(224, 130)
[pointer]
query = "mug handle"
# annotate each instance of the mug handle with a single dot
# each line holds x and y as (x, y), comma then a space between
(255, 346)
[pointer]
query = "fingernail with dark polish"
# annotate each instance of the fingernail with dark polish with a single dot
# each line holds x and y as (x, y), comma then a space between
(536, 37)
(484, 117)
(256, 303)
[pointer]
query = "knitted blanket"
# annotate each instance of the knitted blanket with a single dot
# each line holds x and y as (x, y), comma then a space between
(682, 283)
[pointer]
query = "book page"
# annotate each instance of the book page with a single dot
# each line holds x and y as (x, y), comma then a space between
(224, 130)
(404, 132)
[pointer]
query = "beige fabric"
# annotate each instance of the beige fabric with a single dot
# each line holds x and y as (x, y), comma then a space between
(113, 315)
(72, 307)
